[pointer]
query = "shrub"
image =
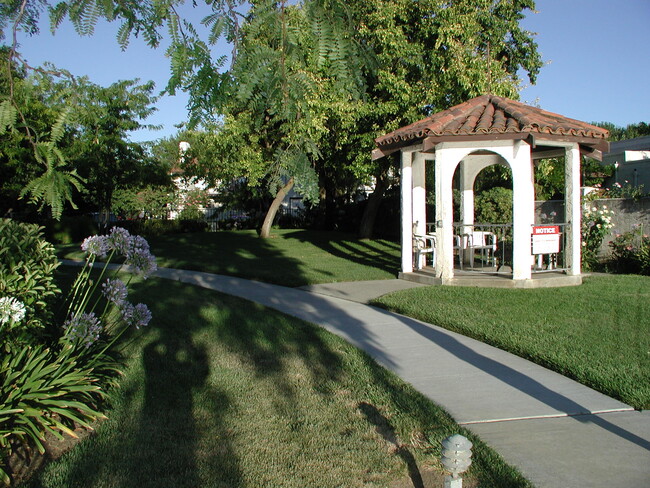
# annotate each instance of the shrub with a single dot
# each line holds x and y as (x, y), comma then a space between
(70, 229)
(494, 206)
(631, 252)
(43, 391)
(190, 213)
(27, 263)
(49, 390)
(193, 225)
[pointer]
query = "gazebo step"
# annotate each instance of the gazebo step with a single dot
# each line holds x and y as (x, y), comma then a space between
(542, 280)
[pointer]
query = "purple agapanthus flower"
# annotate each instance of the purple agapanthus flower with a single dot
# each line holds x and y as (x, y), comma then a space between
(137, 315)
(85, 328)
(115, 291)
(119, 240)
(95, 245)
(140, 258)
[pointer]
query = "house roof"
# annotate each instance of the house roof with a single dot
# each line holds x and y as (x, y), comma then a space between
(489, 117)
(636, 144)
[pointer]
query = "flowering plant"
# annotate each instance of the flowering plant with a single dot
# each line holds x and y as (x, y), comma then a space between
(596, 224)
(99, 316)
(12, 312)
(631, 252)
(53, 388)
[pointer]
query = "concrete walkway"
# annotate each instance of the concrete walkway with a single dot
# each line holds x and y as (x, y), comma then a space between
(556, 431)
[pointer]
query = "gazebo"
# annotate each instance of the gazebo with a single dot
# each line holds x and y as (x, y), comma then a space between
(469, 137)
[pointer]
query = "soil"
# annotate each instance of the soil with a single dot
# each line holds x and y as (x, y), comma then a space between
(25, 462)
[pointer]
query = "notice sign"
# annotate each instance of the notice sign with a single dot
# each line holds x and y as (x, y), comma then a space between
(546, 239)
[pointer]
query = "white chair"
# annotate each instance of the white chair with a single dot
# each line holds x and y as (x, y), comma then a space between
(486, 242)
(423, 245)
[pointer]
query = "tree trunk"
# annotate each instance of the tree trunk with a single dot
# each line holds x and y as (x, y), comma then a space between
(372, 206)
(265, 232)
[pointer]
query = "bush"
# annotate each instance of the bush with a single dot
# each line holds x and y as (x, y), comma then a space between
(631, 252)
(70, 229)
(494, 206)
(27, 264)
(193, 225)
(43, 391)
(157, 227)
(190, 213)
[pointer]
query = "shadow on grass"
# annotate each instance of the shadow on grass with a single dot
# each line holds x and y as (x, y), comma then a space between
(151, 437)
(372, 254)
(240, 253)
(387, 431)
(289, 258)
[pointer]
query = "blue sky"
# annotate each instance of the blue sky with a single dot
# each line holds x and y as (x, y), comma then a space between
(597, 56)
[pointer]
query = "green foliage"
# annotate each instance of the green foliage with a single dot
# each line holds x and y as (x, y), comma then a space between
(631, 252)
(494, 206)
(27, 264)
(8, 115)
(549, 179)
(154, 202)
(190, 213)
(101, 149)
(312, 84)
(631, 131)
(43, 391)
(626, 190)
(54, 187)
(70, 229)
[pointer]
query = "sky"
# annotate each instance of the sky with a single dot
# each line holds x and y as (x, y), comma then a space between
(596, 55)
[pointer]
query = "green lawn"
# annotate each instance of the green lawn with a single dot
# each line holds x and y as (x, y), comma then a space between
(219, 392)
(597, 333)
(289, 257)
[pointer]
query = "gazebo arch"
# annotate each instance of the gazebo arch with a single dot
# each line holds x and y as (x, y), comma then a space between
(474, 135)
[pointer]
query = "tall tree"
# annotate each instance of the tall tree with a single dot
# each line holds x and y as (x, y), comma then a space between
(33, 132)
(390, 61)
(432, 54)
(102, 151)
(630, 131)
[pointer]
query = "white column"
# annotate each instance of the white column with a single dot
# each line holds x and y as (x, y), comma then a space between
(419, 198)
(467, 178)
(572, 210)
(446, 162)
(523, 212)
(406, 191)
(419, 193)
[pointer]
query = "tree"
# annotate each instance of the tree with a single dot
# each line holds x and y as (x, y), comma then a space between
(631, 131)
(430, 55)
(101, 150)
(299, 70)
(31, 160)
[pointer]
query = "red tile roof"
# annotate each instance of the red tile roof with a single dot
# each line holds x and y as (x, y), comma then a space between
(490, 115)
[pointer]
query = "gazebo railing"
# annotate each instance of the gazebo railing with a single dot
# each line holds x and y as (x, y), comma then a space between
(483, 247)
(488, 248)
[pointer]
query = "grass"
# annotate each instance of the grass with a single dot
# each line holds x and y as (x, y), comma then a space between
(597, 333)
(289, 257)
(220, 392)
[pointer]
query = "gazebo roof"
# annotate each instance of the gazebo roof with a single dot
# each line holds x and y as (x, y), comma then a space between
(489, 117)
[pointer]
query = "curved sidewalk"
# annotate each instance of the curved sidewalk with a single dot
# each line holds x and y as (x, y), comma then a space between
(557, 432)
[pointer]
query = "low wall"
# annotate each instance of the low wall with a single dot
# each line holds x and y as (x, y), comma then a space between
(628, 213)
